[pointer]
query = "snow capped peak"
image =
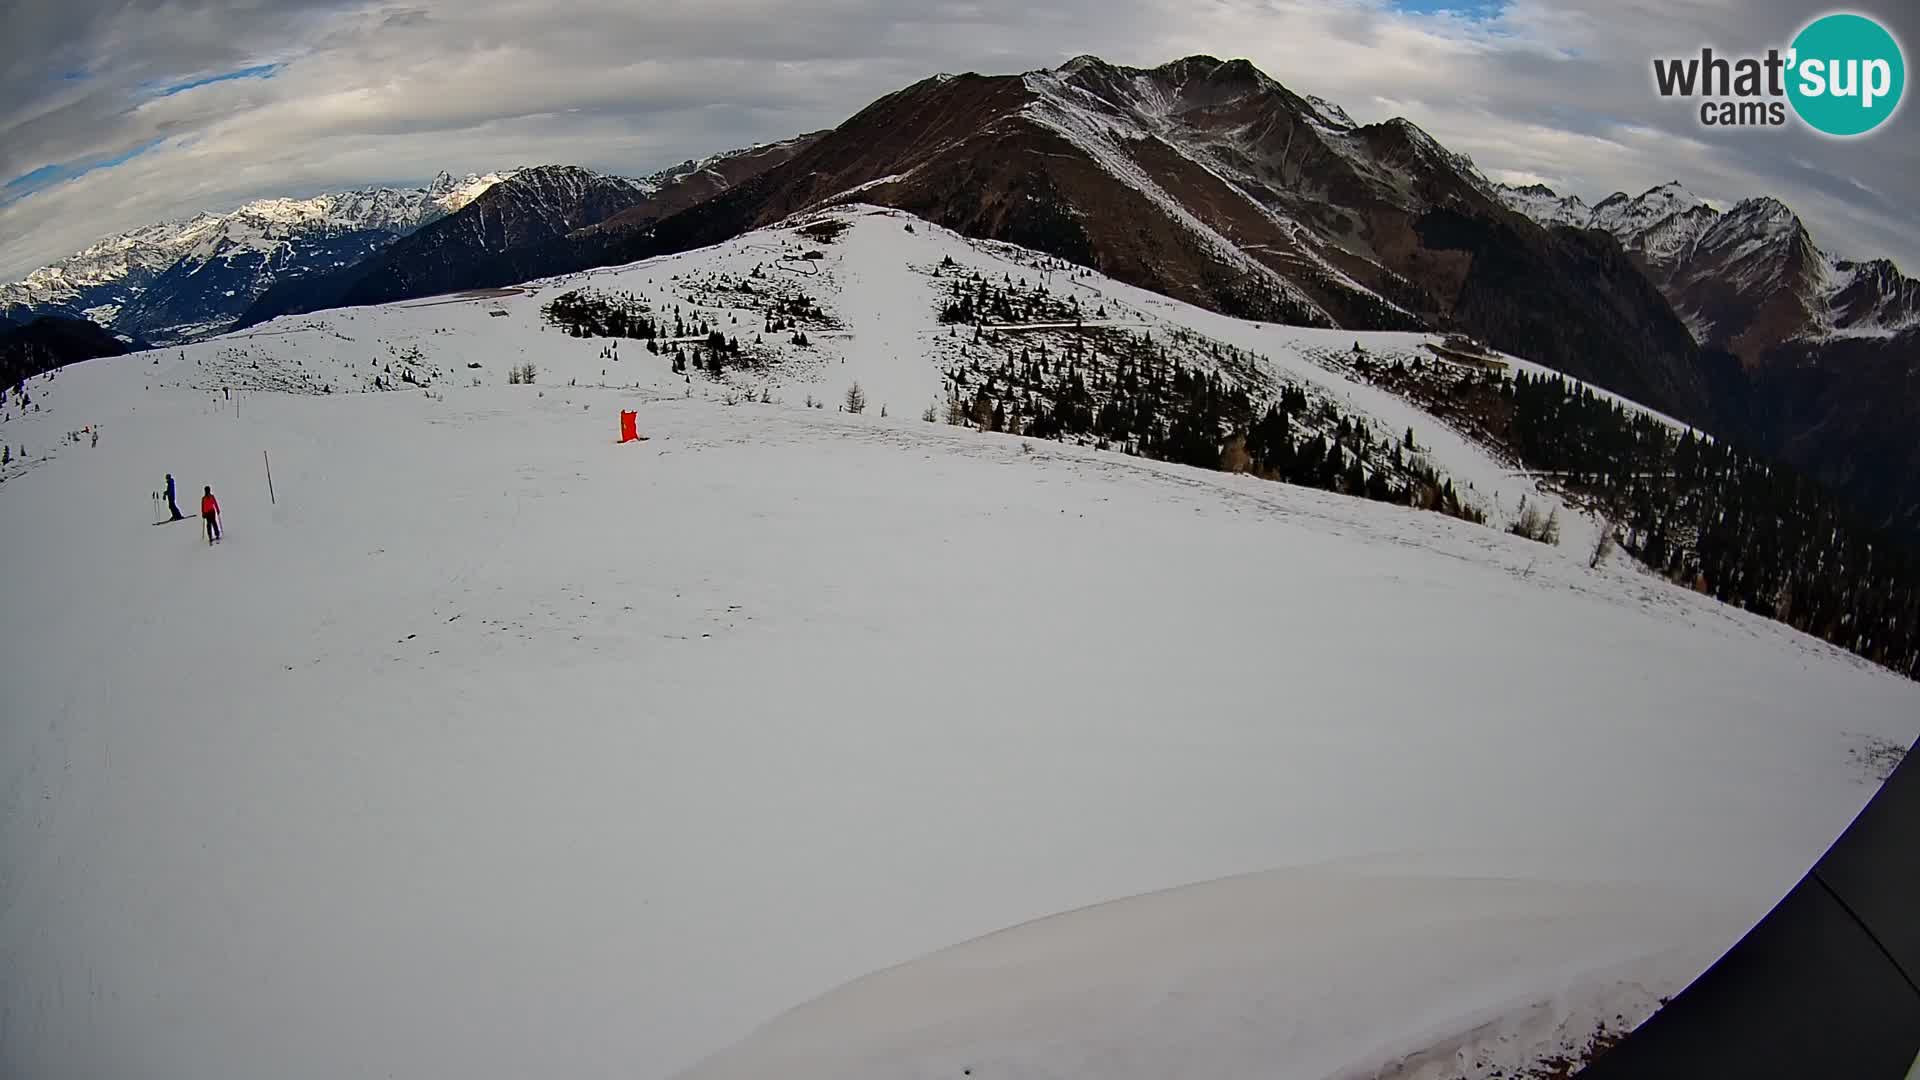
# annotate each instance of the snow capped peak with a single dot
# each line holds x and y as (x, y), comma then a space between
(1104, 116)
(1881, 270)
(457, 194)
(566, 175)
(1083, 62)
(1671, 191)
(564, 189)
(1870, 298)
(1191, 77)
(1623, 215)
(1761, 243)
(1331, 115)
(1416, 136)
(1425, 146)
(1664, 200)
(1759, 219)
(1544, 205)
(1763, 210)
(1237, 70)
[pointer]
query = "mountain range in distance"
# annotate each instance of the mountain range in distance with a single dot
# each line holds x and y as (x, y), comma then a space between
(182, 280)
(1202, 179)
(177, 280)
(1746, 279)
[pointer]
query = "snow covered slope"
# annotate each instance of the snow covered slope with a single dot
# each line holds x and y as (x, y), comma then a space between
(491, 747)
(1218, 979)
(876, 293)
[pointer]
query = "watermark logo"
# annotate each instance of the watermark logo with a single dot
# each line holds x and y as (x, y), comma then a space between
(1850, 73)
(1843, 75)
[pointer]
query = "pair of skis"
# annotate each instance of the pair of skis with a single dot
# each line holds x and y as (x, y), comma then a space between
(211, 540)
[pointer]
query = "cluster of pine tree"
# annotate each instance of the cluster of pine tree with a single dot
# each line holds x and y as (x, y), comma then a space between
(585, 313)
(1348, 458)
(23, 361)
(690, 346)
(789, 313)
(975, 300)
(1742, 529)
(712, 355)
(1141, 401)
(1252, 296)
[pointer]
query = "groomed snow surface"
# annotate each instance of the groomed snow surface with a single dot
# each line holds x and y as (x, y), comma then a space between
(803, 744)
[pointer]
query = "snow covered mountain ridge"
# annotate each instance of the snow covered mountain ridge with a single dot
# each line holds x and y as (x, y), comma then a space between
(541, 221)
(107, 280)
(715, 163)
(158, 245)
(279, 239)
(1744, 278)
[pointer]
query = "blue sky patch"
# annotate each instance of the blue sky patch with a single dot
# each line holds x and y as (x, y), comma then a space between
(37, 179)
(46, 176)
(257, 71)
(1466, 9)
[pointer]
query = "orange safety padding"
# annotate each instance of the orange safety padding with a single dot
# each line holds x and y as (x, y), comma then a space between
(629, 426)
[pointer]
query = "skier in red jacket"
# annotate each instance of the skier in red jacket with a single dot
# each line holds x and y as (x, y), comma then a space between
(210, 511)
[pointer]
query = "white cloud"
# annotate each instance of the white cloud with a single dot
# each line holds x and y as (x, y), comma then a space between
(373, 91)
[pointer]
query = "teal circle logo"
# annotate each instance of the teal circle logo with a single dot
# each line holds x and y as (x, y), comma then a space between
(1846, 75)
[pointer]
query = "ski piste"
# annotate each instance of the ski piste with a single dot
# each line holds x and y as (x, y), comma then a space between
(1216, 638)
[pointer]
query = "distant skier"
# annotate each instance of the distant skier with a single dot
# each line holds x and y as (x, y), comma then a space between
(210, 511)
(171, 505)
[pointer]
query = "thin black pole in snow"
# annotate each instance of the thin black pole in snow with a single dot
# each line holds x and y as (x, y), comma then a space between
(270, 499)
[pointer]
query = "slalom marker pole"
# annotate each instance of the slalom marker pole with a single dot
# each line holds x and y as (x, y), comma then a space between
(269, 462)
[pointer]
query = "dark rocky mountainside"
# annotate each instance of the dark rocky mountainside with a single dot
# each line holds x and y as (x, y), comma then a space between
(51, 342)
(1208, 181)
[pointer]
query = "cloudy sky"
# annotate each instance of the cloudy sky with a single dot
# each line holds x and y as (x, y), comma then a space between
(116, 113)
